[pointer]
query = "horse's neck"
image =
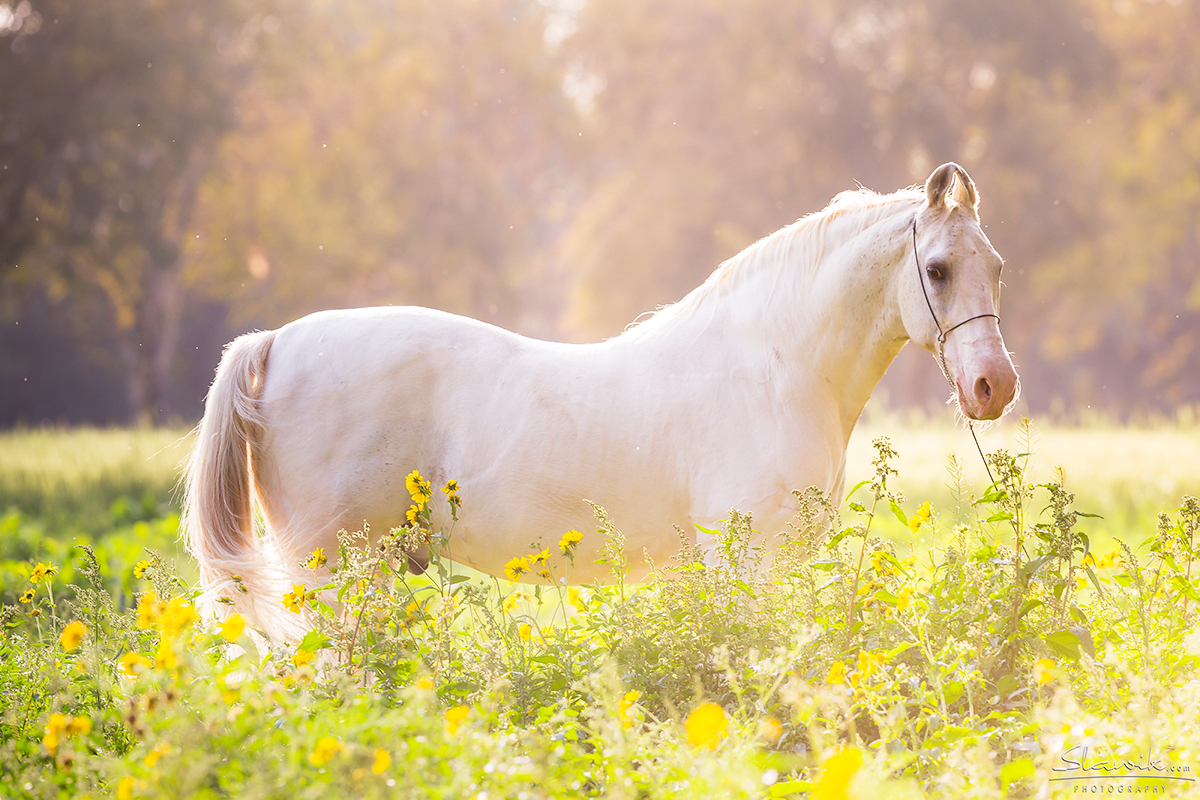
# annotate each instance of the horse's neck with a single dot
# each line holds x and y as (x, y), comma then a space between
(825, 331)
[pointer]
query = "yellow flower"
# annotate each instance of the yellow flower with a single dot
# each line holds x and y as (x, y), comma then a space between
(125, 788)
(131, 664)
(455, 717)
(27, 597)
(233, 628)
(451, 490)
(1043, 670)
(160, 750)
(165, 657)
(72, 635)
(413, 515)
(79, 726)
(303, 657)
(904, 598)
(837, 674)
(424, 682)
(523, 630)
(325, 750)
(294, 599)
(839, 769)
(142, 567)
(316, 559)
(627, 702)
(569, 542)
(149, 610)
(383, 760)
(576, 599)
(706, 726)
(177, 615)
(921, 517)
(42, 572)
(56, 726)
(516, 568)
(419, 488)
(772, 729)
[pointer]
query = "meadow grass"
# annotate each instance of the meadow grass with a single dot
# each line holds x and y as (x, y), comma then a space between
(972, 668)
(72, 477)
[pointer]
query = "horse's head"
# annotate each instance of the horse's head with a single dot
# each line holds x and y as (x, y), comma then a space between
(950, 293)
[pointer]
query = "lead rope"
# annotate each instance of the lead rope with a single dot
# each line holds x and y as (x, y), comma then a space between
(941, 343)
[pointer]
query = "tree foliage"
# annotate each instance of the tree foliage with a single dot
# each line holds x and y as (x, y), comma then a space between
(562, 167)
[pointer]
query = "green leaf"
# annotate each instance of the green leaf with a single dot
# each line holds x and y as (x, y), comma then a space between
(1186, 588)
(999, 516)
(1027, 607)
(899, 512)
(313, 641)
(786, 788)
(857, 486)
(1064, 644)
(1015, 771)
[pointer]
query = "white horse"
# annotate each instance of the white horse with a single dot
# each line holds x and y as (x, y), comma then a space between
(740, 393)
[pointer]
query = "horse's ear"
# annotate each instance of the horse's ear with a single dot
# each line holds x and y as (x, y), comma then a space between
(945, 177)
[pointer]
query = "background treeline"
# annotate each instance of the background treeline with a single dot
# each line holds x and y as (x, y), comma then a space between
(174, 172)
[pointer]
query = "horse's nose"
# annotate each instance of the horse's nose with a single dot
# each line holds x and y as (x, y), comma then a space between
(994, 389)
(983, 392)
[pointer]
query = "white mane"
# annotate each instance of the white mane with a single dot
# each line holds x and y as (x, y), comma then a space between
(797, 248)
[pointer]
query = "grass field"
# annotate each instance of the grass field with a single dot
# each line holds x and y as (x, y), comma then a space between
(960, 649)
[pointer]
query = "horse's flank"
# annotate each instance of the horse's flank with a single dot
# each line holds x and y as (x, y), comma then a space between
(742, 392)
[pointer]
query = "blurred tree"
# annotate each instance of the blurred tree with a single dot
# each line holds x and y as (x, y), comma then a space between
(110, 114)
(411, 151)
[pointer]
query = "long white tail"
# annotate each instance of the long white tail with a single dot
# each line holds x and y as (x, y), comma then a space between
(238, 570)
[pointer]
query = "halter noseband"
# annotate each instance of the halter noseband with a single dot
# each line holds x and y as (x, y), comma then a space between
(942, 334)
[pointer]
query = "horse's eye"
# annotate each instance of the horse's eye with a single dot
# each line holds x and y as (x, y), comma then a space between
(936, 271)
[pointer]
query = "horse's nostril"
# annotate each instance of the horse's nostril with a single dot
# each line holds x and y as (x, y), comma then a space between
(983, 390)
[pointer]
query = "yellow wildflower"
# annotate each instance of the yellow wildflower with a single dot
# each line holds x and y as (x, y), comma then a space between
(131, 663)
(576, 598)
(56, 726)
(838, 770)
(904, 598)
(523, 630)
(455, 717)
(27, 596)
(326, 749)
(165, 657)
(41, 572)
(920, 518)
(451, 490)
(541, 564)
(1043, 670)
(142, 567)
(771, 729)
(177, 615)
(294, 599)
(72, 635)
(316, 559)
(79, 726)
(516, 568)
(419, 488)
(424, 682)
(627, 702)
(569, 542)
(413, 515)
(160, 750)
(125, 788)
(383, 760)
(303, 657)
(149, 610)
(706, 726)
(233, 628)
(837, 674)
